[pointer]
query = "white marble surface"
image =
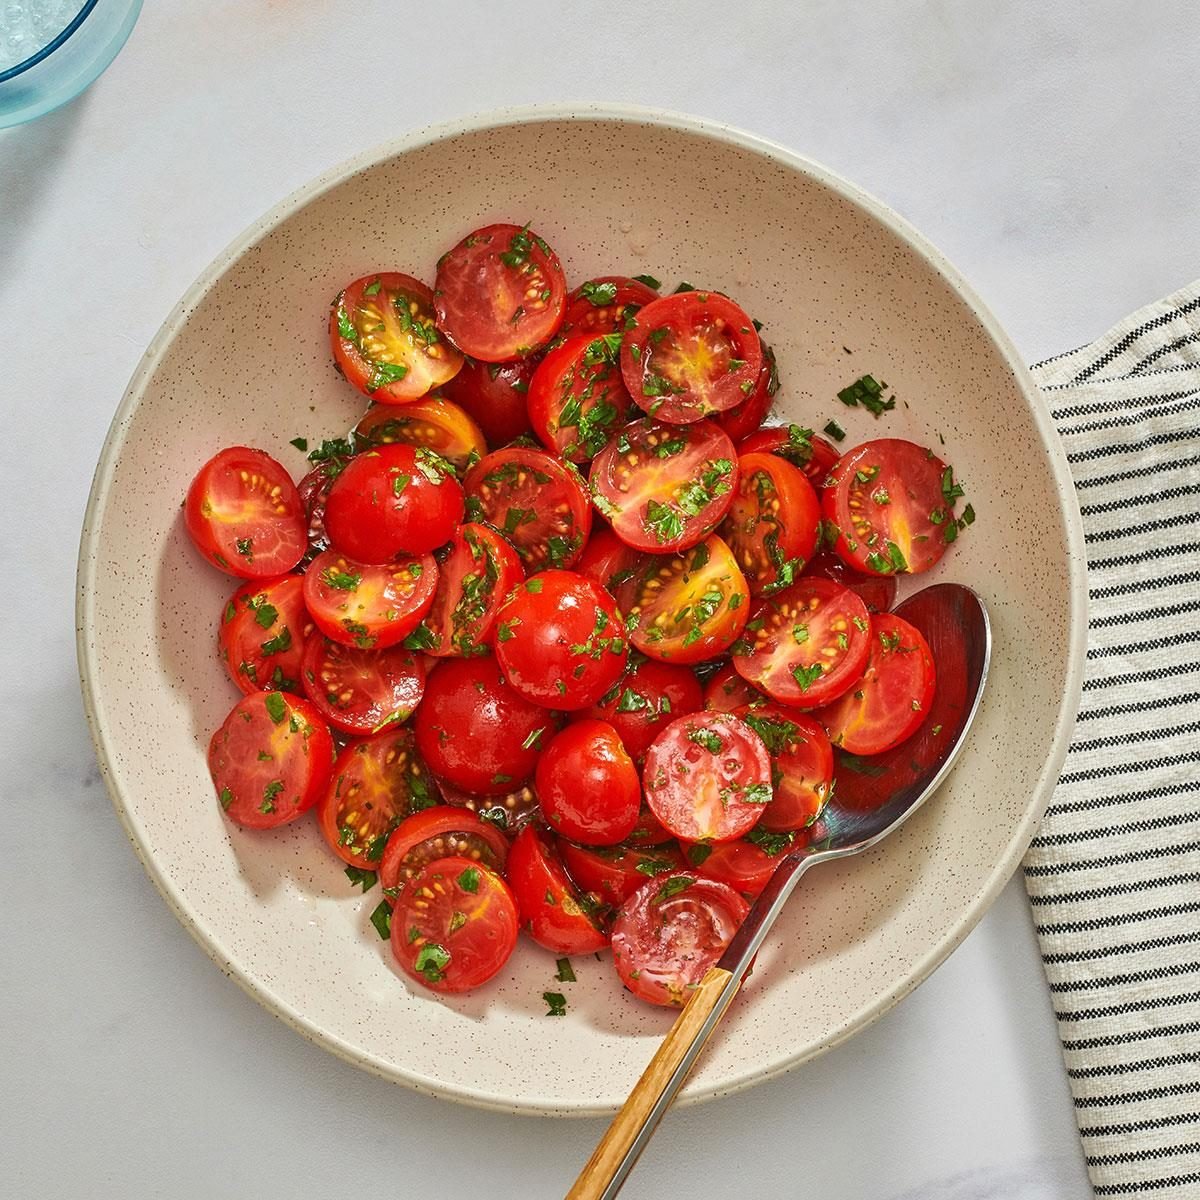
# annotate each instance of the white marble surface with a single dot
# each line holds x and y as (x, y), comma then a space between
(1056, 163)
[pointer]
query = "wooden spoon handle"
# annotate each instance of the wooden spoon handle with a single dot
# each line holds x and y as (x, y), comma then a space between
(601, 1179)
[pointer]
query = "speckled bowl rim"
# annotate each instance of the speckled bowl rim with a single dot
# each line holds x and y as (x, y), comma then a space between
(632, 114)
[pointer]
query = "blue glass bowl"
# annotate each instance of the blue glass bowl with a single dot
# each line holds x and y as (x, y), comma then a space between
(71, 62)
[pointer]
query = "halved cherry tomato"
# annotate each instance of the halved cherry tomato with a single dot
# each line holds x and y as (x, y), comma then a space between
(772, 523)
(539, 504)
(376, 783)
(560, 640)
(270, 760)
(708, 777)
(889, 702)
(687, 607)
(392, 500)
(245, 516)
(434, 423)
(650, 695)
(745, 865)
(314, 491)
(813, 454)
(385, 341)
(577, 398)
(434, 833)
(476, 730)
(649, 830)
(744, 418)
(878, 592)
(587, 784)
(893, 505)
(371, 607)
(607, 560)
(554, 911)
(806, 645)
(493, 395)
(727, 691)
(670, 931)
(480, 569)
(361, 691)
(500, 293)
(801, 765)
(614, 873)
(509, 813)
(690, 355)
(664, 487)
(605, 304)
(455, 926)
(263, 631)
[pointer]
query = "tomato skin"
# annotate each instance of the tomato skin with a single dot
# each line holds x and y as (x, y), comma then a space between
(394, 499)
(605, 304)
(690, 355)
(577, 398)
(727, 691)
(614, 873)
(560, 640)
(587, 784)
(509, 813)
(383, 338)
(369, 607)
(550, 906)
(244, 515)
(708, 777)
(476, 730)
(435, 423)
(439, 832)
(264, 629)
(670, 932)
(889, 703)
(607, 560)
(359, 691)
(649, 830)
(500, 293)
(801, 766)
(808, 643)
(314, 491)
(494, 396)
(813, 454)
(454, 926)
(650, 695)
(270, 760)
(742, 865)
(877, 592)
(743, 419)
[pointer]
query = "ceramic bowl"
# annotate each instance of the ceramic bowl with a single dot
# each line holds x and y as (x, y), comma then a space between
(844, 287)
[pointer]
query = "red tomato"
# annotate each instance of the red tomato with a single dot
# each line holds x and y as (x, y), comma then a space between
(606, 304)
(509, 812)
(587, 784)
(727, 691)
(892, 504)
(552, 909)
(607, 560)
(577, 398)
(684, 608)
(371, 607)
(662, 487)
(690, 355)
(560, 640)
(313, 490)
(877, 592)
(651, 695)
(493, 395)
(476, 730)
(614, 873)
(392, 500)
(746, 865)
(648, 831)
(806, 645)
(384, 339)
(270, 760)
(670, 931)
(889, 702)
(434, 423)
(745, 417)
(540, 504)
(245, 516)
(801, 765)
(264, 628)
(772, 523)
(434, 833)
(362, 691)
(376, 782)
(480, 569)
(813, 454)
(500, 293)
(708, 777)
(455, 926)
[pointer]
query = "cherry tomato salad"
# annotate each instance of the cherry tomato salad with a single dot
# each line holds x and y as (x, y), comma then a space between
(560, 637)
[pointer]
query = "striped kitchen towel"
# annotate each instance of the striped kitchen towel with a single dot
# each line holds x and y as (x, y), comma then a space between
(1114, 873)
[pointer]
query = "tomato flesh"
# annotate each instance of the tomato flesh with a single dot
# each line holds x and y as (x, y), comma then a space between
(877, 592)
(606, 304)
(263, 632)
(551, 908)
(434, 423)
(438, 832)
(727, 691)
(361, 691)
(801, 765)
(744, 418)
(509, 812)
(614, 873)
(587, 784)
(811, 453)
(650, 695)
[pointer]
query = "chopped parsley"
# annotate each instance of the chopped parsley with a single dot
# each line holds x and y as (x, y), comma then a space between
(597, 293)
(707, 738)
(468, 880)
(867, 392)
(663, 521)
(431, 961)
(673, 886)
(360, 878)
(339, 580)
(805, 677)
(556, 1004)
(276, 706)
(835, 431)
(565, 973)
(381, 918)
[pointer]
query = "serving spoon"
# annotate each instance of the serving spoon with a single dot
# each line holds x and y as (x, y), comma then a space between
(955, 624)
